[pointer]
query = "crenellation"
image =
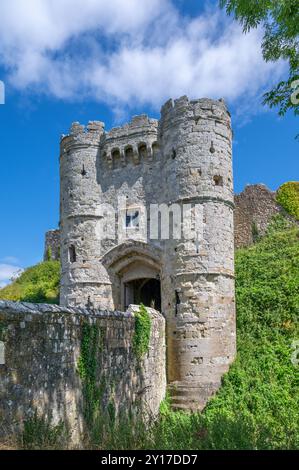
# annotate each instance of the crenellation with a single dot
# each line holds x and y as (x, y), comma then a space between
(130, 144)
(81, 136)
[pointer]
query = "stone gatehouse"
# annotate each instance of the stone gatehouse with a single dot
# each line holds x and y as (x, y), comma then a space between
(182, 162)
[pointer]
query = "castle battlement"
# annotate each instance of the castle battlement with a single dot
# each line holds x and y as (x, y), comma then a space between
(82, 136)
(194, 111)
(142, 139)
(138, 125)
(133, 143)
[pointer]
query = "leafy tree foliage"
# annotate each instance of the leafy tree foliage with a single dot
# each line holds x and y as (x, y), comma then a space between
(280, 19)
(288, 197)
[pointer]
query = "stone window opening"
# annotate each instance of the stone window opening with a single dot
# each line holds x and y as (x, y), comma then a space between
(129, 156)
(218, 180)
(72, 254)
(132, 218)
(155, 150)
(83, 171)
(116, 159)
(142, 151)
(212, 148)
(89, 305)
(177, 301)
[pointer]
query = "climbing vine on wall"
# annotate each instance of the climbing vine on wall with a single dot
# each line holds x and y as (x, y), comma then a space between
(91, 345)
(255, 232)
(142, 332)
(3, 331)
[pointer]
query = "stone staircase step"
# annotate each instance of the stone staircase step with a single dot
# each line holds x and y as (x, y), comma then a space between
(189, 396)
(187, 407)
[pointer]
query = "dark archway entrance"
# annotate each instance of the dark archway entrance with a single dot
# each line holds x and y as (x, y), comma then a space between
(143, 291)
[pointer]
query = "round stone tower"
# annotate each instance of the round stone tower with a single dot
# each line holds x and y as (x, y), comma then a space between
(82, 279)
(196, 139)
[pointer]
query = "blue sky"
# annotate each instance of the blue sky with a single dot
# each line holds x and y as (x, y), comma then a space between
(75, 60)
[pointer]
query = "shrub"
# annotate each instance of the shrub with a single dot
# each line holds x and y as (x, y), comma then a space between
(39, 433)
(288, 197)
(142, 333)
(39, 284)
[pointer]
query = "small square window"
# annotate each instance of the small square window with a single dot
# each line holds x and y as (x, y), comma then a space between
(218, 180)
(132, 218)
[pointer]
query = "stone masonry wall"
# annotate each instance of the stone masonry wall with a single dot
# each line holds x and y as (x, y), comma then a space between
(40, 346)
(254, 209)
(52, 245)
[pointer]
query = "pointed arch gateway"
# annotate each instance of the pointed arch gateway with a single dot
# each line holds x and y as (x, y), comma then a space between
(135, 272)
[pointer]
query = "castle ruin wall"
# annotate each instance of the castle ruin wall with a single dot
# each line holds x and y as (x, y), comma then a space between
(40, 347)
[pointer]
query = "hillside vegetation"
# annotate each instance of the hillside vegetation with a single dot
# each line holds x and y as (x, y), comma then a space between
(257, 406)
(288, 197)
(39, 284)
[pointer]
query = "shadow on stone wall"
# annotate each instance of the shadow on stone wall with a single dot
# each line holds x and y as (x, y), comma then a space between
(53, 357)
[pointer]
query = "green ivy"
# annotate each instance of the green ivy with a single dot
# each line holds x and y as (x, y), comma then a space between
(88, 363)
(141, 338)
(49, 254)
(288, 197)
(255, 232)
(3, 331)
(279, 223)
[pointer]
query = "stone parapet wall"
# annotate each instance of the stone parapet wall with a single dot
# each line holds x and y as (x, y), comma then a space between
(41, 346)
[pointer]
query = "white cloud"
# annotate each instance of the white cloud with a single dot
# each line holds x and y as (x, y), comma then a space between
(8, 272)
(129, 53)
